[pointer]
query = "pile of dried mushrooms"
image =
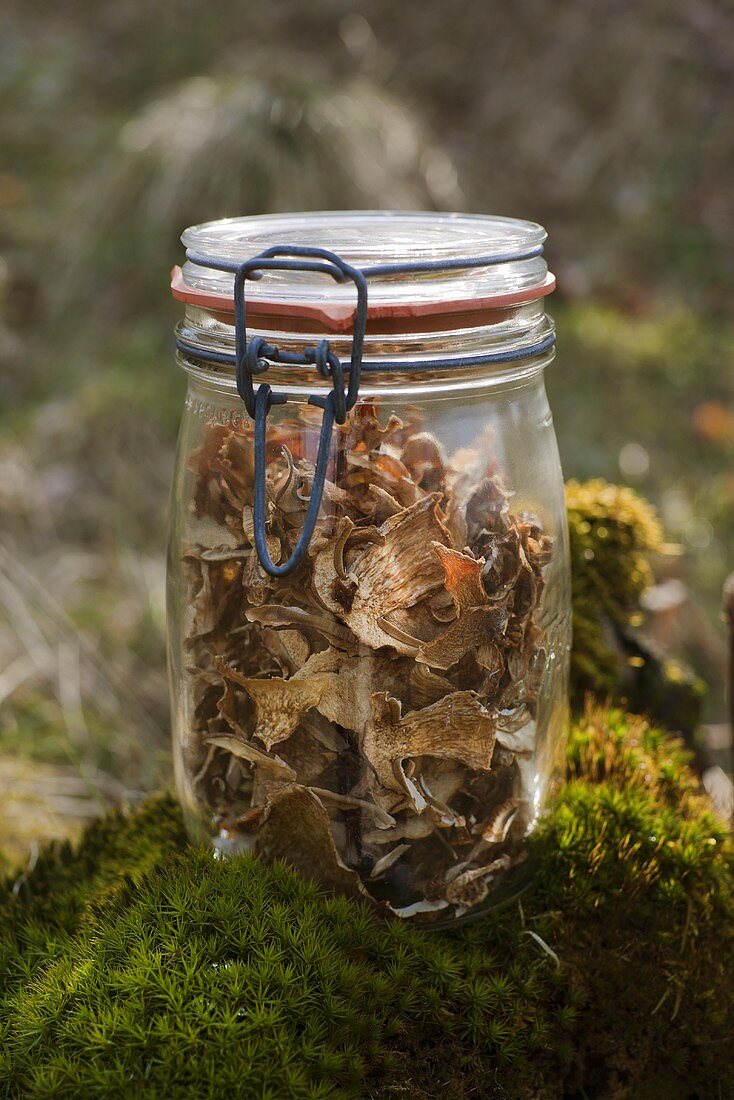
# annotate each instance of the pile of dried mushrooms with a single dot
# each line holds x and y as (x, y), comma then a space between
(371, 717)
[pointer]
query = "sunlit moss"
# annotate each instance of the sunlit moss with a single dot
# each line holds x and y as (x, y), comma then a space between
(612, 533)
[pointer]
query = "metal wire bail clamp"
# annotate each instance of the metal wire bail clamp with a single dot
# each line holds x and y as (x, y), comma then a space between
(253, 358)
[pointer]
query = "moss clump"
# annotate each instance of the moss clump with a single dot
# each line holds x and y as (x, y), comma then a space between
(612, 531)
(135, 966)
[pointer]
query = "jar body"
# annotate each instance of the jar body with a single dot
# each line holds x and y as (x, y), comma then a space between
(389, 718)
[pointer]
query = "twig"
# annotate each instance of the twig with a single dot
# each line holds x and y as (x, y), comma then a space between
(541, 943)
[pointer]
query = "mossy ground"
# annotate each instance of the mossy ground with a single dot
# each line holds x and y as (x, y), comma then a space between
(136, 966)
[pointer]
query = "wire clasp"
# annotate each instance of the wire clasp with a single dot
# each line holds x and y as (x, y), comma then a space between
(253, 358)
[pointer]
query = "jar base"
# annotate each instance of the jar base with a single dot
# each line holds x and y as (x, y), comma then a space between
(515, 883)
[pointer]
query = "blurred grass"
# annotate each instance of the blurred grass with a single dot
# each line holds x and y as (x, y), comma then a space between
(121, 126)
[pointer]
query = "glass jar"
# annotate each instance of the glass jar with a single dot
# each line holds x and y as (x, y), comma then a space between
(386, 714)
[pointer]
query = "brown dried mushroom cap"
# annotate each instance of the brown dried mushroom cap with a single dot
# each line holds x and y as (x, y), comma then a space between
(408, 826)
(457, 727)
(296, 828)
(336, 685)
(279, 704)
(426, 687)
(386, 471)
(425, 458)
(388, 576)
(364, 432)
(322, 623)
(518, 736)
(309, 759)
(477, 622)
(384, 504)
(494, 829)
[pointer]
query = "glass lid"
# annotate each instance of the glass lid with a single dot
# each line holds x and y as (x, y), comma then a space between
(455, 261)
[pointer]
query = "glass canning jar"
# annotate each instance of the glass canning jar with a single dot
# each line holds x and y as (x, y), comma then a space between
(388, 716)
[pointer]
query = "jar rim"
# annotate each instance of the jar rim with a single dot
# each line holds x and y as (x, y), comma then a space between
(420, 265)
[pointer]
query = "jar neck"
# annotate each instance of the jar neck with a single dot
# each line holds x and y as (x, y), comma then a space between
(421, 363)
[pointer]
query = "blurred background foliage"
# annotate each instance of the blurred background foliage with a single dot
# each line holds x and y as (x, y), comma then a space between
(121, 124)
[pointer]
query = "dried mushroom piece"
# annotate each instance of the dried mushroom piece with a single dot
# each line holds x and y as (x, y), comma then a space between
(477, 621)
(518, 733)
(457, 727)
(387, 576)
(317, 622)
(471, 887)
(425, 459)
(494, 830)
(245, 750)
(296, 828)
(371, 719)
(279, 704)
(335, 685)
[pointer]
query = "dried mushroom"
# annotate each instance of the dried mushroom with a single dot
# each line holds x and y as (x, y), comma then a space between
(371, 719)
(296, 828)
(456, 728)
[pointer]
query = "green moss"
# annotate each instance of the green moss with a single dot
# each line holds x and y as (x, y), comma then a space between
(613, 533)
(136, 966)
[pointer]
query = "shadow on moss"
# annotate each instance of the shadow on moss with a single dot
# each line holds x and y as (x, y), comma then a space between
(137, 966)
